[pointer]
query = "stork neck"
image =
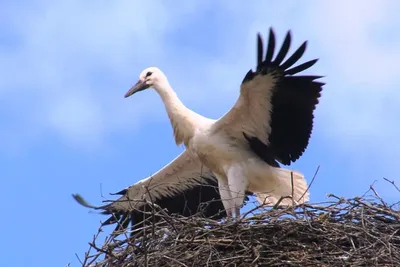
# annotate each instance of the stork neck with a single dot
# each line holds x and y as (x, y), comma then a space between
(182, 118)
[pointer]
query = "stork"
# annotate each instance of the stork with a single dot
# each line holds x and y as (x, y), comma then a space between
(270, 123)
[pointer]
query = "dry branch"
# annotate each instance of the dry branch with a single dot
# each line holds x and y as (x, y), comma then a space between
(342, 232)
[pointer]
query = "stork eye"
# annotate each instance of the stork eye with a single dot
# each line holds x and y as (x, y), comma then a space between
(148, 74)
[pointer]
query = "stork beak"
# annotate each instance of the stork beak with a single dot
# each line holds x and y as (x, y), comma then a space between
(139, 86)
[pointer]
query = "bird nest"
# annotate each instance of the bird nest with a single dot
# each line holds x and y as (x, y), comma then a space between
(361, 231)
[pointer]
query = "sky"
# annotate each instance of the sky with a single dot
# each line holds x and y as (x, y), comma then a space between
(66, 128)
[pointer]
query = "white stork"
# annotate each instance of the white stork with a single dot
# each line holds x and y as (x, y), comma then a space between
(271, 122)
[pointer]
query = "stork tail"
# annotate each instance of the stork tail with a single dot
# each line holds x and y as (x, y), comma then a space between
(290, 187)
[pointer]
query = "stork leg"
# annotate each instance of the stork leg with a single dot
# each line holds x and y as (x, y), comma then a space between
(225, 196)
(237, 184)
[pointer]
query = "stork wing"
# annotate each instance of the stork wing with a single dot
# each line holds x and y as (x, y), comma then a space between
(274, 111)
(183, 186)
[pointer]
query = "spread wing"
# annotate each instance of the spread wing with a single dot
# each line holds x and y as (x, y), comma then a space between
(274, 111)
(182, 187)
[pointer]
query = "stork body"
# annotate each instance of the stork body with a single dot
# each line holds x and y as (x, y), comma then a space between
(271, 122)
(236, 167)
(226, 153)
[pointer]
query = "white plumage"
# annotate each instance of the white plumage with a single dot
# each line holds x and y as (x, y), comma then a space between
(271, 121)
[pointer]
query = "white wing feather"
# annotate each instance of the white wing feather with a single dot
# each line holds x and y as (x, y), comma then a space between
(182, 173)
(252, 111)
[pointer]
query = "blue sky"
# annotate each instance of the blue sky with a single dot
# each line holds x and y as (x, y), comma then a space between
(66, 128)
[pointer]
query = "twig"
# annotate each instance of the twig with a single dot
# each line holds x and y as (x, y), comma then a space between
(393, 183)
(311, 183)
(338, 232)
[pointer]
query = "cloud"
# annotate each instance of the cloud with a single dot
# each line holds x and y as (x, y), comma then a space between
(358, 56)
(67, 65)
(358, 49)
(360, 59)
(348, 33)
(71, 72)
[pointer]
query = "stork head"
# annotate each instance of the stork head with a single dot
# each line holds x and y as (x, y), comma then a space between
(150, 77)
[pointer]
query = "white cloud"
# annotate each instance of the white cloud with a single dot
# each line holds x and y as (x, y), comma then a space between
(75, 60)
(77, 115)
(361, 94)
(63, 53)
(360, 99)
(357, 44)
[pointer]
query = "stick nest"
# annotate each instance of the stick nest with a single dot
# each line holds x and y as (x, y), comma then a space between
(341, 232)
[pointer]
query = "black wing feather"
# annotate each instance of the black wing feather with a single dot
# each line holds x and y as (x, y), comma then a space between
(284, 49)
(260, 48)
(295, 57)
(301, 67)
(294, 100)
(271, 46)
(202, 200)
